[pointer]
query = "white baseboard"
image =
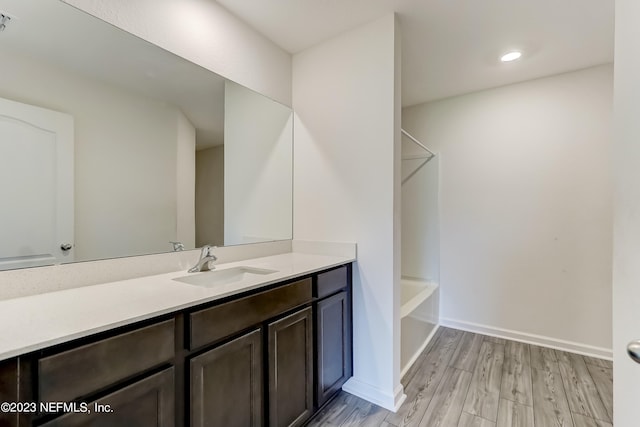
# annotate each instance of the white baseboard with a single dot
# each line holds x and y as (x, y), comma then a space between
(375, 395)
(418, 352)
(540, 340)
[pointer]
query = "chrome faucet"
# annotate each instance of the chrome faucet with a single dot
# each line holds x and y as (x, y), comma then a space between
(206, 258)
(177, 246)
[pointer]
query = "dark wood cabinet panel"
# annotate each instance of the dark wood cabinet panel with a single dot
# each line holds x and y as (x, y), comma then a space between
(227, 384)
(79, 372)
(9, 390)
(332, 281)
(333, 345)
(290, 360)
(146, 403)
(212, 324)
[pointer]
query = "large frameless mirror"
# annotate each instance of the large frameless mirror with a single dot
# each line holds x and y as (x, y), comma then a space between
(111, 146)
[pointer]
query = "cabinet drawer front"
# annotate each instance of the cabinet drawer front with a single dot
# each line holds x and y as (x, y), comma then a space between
(148, 402)
(212, 324)
(84, 370)
(332, 281)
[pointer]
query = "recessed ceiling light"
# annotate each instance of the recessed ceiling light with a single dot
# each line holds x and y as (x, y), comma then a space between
(510, 56)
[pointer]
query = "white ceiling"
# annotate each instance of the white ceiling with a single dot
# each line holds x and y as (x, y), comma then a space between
(451, 47)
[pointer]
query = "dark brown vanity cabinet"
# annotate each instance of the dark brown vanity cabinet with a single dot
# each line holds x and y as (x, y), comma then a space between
(269, 357)
(333, 337)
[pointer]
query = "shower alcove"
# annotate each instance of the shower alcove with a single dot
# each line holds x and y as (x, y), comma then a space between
(419, 293)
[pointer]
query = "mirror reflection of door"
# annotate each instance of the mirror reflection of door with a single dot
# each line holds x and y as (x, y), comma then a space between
(36, 196)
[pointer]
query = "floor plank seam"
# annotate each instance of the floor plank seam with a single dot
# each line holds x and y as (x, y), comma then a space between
(599, 392)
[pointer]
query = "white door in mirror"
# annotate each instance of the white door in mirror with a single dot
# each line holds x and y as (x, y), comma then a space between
(36, 172)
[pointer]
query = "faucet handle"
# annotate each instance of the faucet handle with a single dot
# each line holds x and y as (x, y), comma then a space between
(206, 252)
(177, 246)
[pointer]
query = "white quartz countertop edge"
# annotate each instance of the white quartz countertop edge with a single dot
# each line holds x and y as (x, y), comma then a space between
(35, 322)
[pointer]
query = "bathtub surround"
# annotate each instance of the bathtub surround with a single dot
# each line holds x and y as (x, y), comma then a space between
(421, 217)
(346, 184)
(526, 209)
(420, 251)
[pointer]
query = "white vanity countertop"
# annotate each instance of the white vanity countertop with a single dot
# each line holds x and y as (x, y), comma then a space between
(39, 321)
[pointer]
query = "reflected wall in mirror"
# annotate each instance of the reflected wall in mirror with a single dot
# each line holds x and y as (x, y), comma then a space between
(117, 147)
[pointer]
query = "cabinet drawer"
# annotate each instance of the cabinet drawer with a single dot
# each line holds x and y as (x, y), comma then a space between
(212, 324)
(79, 372)
(332, 281)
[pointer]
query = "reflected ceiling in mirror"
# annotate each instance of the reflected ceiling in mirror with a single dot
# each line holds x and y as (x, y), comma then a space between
(111, 146)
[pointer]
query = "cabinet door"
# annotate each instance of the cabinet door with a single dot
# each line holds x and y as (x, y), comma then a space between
(227, 386)
(146, 403)
(290, 362)
(9, 390)
(333, 342)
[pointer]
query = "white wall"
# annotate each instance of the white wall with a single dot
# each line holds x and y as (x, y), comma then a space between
(258, 155)
(205, 33)
(626, 260)
(526, 207)
(210, 196)
(125, 158)
(185, 181)
(346, 184)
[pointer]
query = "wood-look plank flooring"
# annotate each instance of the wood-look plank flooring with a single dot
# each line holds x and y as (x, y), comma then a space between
(464, 379)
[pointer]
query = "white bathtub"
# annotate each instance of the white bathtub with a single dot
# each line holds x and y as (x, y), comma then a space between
(413, 292)
(419, 318)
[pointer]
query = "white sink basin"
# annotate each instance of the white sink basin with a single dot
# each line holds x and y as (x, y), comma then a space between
(213, 278)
